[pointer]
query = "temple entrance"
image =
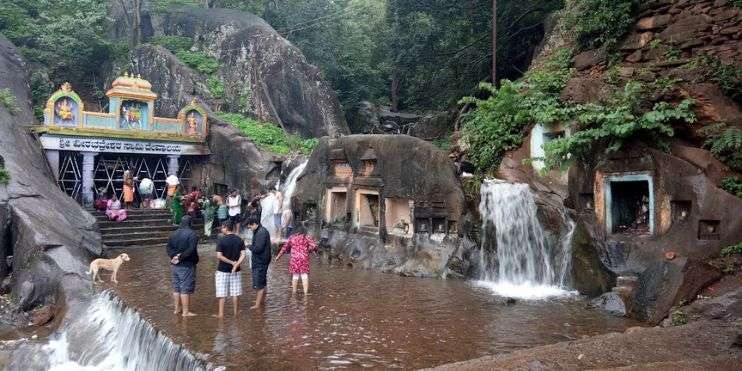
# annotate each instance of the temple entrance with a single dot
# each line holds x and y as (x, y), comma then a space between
(367, 208)
(630, 206)
(337, 201)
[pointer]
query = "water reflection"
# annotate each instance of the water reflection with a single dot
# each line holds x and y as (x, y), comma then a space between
(353, 318)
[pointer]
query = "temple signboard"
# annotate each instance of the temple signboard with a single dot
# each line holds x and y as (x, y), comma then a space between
(109, 145)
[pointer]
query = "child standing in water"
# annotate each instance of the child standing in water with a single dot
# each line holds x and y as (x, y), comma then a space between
(300, 245)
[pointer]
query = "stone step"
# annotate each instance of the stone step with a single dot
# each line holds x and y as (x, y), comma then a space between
(103, 218)
(136, 242)
(135, 235)
(118, 229)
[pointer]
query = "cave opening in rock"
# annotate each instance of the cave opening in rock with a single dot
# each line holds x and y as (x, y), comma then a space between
(337, 206)
(630, 207)
(398, 216)
(368, 210)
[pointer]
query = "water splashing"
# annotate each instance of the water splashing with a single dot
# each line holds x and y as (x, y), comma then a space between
(106, 336)
(269, 203)
(518, 262)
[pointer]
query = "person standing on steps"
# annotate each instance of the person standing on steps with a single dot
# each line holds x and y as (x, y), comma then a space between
(182, 248)
(230, 253)
(261, 258)
(128, 187)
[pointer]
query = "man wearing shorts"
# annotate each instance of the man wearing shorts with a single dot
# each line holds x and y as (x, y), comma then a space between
(234, 203)
(183, 253)
(261, 258)
(230, 251)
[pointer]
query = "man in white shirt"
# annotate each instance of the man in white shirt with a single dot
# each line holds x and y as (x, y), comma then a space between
(234, 203)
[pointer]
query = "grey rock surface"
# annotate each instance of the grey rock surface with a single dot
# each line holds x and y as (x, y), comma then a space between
(50, 234)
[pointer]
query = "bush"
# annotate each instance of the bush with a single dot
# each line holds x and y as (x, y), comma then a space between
(619, 122)
(4, 176)
(678, 318)
(172, 43)
(597, 23)
(269, 136)
(733, 185)
(198, 61)
(725, 143)
(499, 123)
(728, 77)
(216, 87)
(732, 250)
(7, 100)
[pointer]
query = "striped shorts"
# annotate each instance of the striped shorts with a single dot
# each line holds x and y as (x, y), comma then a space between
(228, 284)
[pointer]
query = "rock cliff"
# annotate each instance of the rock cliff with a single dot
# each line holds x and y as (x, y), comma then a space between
(675, 43)
(50, 236)
(263, 74)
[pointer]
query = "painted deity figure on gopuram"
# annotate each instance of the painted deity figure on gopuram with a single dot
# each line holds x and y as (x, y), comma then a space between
(192, 124)
(131, 117)
(64, 110)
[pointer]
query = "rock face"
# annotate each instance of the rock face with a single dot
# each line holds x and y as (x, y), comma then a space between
(368, 118)
(263, 74)
(49, 234)
(388, 202)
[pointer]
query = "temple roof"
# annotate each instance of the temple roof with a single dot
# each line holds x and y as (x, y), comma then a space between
(128, 86)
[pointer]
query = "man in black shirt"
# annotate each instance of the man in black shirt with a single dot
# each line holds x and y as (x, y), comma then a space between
(183, 253)
(230, 251)
(261, 257)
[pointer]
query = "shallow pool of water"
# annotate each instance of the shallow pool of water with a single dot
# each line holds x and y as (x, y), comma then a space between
(352, 318)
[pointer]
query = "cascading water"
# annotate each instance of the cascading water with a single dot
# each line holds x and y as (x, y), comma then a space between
(106, 336)
(519, 261)
(269, 203)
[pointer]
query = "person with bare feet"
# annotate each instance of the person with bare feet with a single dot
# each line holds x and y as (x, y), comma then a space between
(261, 258)
(183, 253)
(230, 252)
(299, 245)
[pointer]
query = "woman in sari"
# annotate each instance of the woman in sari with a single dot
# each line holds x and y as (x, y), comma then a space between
(128, 188)
(176, 208)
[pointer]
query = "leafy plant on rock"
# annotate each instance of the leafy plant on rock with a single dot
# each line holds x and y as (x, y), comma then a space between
(199, 61)
(733, 185)
(269, 136)
(7, 100)
(4, 176)
(735, 249)
(172, 43)
(598, 23)
(725, 143)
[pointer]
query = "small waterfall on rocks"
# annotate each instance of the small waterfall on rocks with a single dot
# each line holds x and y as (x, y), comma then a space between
(106, 336)
(516, 259)
(269, 203)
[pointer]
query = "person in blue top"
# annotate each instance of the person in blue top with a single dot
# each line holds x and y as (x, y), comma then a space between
(261, 258)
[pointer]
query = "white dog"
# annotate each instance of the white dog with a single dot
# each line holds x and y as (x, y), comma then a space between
(109, 265)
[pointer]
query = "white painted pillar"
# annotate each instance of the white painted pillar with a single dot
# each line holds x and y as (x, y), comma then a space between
(172, 164)
(52, 157)
(88, 167)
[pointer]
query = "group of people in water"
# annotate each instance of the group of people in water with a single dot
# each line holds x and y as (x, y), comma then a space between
(227, 215)
(231, 255)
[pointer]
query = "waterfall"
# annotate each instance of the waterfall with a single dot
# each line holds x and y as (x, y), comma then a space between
(519, 262)
(106, 335)
(269, 203)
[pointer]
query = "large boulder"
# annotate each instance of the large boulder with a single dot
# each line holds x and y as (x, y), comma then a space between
(369, 118)
(50, 235)
(407, 171)
(263, 74)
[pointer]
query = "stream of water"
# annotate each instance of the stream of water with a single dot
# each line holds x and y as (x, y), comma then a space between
(516, 259)
(352, 318)
(270, 203)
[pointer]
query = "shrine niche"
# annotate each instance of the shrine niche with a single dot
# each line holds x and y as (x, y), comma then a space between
(629, 204)
(64, 108)
(336, 207)
(193, 119)
(367, 209)
(398, 216)
(132, 115)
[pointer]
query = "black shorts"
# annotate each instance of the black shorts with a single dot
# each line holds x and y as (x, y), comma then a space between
(259, 277)
(183, 278)
(236, 219)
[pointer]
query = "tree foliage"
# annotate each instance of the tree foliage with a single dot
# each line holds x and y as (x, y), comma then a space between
(597, 23)
(62, 40)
